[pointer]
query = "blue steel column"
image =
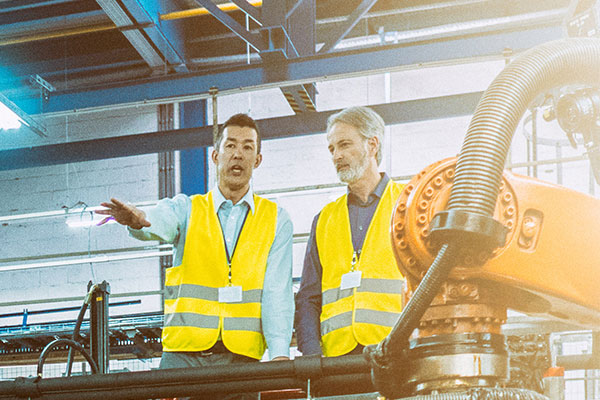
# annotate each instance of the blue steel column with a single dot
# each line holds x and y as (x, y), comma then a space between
(193, 162)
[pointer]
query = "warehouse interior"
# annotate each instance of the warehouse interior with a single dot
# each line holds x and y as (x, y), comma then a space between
(119, 98)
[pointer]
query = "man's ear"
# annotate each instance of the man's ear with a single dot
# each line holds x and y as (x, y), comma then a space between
(258, 160)
(373, 144)
(214, 156)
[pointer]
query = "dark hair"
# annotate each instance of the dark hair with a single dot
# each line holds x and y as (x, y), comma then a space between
(241, 120)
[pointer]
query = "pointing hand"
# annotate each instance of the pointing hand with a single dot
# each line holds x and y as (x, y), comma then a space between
(124, 214)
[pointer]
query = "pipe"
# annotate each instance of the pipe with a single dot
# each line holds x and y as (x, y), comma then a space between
(482, 157)
(194, 12)
(347, 371)
(71, 343)
(340, 384)
(57, 34)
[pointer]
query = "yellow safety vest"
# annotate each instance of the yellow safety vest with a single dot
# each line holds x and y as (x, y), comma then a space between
(194, 318)
(365, 314)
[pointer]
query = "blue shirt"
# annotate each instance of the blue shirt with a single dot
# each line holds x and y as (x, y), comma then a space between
(308, 299)
(169, 220)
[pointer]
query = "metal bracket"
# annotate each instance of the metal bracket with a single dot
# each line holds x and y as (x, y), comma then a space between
(45, 86)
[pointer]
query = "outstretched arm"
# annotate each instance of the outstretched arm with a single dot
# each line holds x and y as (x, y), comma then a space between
(124, 214)
(278, 297)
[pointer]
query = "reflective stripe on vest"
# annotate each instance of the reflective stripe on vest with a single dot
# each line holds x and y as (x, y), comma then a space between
(194, 318)
(366, 285)
(340, 321)
(207, 293)
(363, 315)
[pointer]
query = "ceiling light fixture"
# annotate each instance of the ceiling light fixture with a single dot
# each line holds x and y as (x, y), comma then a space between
(11, 117)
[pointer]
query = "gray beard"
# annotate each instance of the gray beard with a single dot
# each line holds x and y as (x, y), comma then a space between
(353, 174)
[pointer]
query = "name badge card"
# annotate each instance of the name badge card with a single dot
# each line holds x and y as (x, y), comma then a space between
(230, 294)
(351, 280)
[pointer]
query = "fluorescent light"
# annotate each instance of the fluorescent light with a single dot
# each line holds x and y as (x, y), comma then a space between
(86, 219)
(13, 116)
(96, 259)
(8, 119)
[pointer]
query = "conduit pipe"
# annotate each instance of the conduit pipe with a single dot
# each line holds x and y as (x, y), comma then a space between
(486, 145)
(347, 373)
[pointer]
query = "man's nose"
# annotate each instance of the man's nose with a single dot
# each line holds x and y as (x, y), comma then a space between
(337, 155)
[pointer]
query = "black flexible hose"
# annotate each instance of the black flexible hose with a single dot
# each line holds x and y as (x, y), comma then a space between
(76, 335)
(70, 343)
(388, 357)
(409, 319)
(417, 305)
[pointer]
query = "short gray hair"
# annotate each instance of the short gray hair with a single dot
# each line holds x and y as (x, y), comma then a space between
(368, 123)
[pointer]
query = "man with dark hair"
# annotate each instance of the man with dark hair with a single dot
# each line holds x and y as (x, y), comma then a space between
(243, 121)
(229, 294)
(351, 290)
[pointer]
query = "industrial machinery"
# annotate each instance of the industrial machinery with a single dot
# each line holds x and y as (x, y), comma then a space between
(502, 240)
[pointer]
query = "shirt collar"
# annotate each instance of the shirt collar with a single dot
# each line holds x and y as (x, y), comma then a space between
(219, 199)
(377, 192)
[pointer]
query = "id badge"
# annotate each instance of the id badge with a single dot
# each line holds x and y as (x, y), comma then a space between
(351, 280)
(230, 294)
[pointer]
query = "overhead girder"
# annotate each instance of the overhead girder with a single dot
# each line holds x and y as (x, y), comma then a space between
(252, 11)
(183, 87)
(271, 128)
(253, 39)
(351, 21)
(139, 23)
(278, 39)
(59, 33)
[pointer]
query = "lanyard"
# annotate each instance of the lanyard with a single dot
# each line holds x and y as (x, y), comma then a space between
(355, 258)
(229, 257)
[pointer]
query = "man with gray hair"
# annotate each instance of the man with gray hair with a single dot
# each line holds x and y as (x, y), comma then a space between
(351, 290)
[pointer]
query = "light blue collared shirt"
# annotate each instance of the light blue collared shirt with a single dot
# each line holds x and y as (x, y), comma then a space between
(169, 221)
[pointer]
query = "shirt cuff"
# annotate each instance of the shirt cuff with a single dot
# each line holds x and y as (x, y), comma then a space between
(279, 348)
(312, 348)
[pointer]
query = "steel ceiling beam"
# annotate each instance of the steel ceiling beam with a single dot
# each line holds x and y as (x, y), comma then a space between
(271, 128)
(347, 26)
(144, 32)
(252, 11)
(183, 87)
(293, 8)
(252, 39)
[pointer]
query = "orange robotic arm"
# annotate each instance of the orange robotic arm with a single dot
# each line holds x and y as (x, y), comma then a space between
(549, 264)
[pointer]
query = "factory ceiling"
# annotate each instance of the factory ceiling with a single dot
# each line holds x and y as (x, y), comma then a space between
(61, 56)
(75, 46)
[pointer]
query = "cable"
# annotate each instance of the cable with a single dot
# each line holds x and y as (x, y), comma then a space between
(72, 344)
(76, 335)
